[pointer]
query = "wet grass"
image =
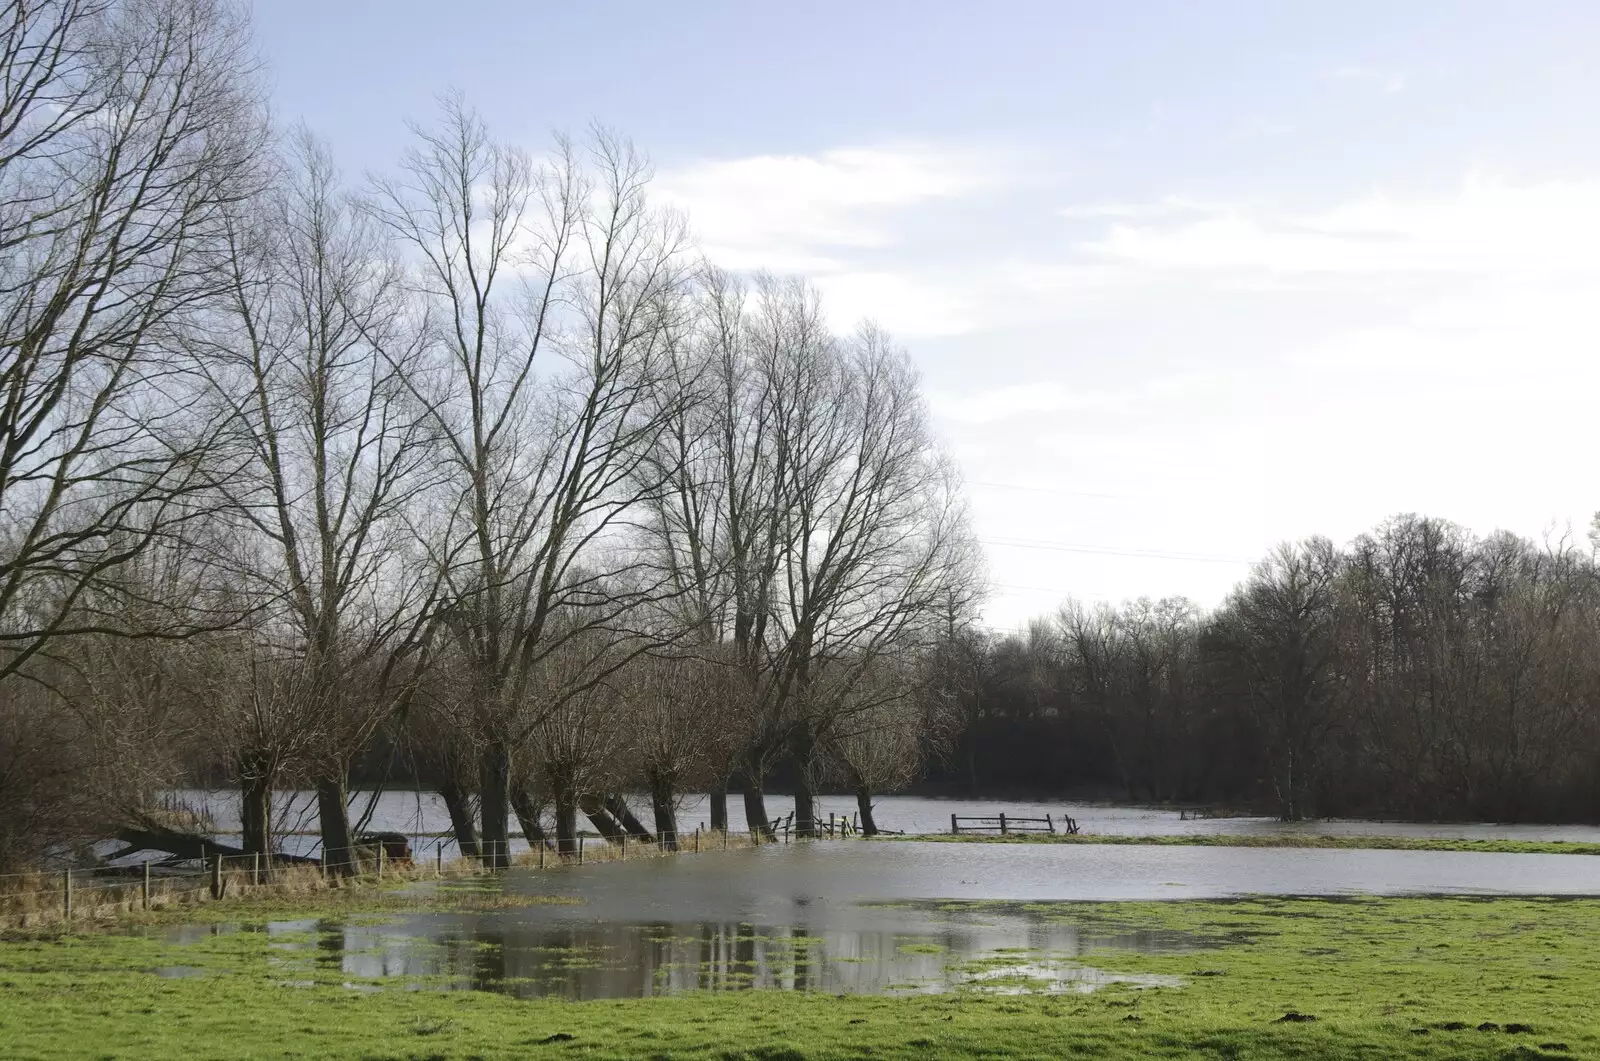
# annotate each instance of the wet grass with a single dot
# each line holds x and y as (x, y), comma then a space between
(1276, 978)
(1311, 840)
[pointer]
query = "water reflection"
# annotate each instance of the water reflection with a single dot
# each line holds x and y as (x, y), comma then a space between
(844, 917)
(913, 949)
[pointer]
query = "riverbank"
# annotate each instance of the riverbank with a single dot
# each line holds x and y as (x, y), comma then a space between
(1309, 840)
(1361, 978)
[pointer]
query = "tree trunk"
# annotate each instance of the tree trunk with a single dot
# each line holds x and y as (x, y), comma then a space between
(755, 811)
(805, 807)
(755, 800)
(803, 746)
(869, 825)
(333, 810)
(665, 813)
(566, 821)
(461, 819)
(624, 814)
(153, 837)
(255, 795)
(528, 816)
(595, 810)
(495, 804)
(719, 807)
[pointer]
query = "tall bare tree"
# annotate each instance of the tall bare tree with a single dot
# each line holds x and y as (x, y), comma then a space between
(128, 130)
(874, 534)
(809, 510)
(312, 364)
(554, 289)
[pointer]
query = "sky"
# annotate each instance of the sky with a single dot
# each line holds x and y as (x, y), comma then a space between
(1183, 280)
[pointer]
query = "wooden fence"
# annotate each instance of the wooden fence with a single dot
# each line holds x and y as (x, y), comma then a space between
(1007, 825)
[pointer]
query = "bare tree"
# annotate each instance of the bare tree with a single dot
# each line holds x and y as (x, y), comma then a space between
(127, 131)
(713, 531)
(874, 533)
(682, 735)
(553, 289)
(810, 516)
(1280, 631)
(312, 366)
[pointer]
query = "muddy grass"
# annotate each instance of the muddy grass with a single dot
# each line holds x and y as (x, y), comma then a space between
(1354, 978)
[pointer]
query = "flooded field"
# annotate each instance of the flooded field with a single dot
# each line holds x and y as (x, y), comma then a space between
(847, 917)
(422, 813)
(912, 949)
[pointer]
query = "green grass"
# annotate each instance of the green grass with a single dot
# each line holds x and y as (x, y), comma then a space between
(1343, 843)
(1383, 978)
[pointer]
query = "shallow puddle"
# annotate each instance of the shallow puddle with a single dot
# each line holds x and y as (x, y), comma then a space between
(917, 948)
(842, 917)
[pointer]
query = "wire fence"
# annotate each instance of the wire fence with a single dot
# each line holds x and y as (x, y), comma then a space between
(68, 894)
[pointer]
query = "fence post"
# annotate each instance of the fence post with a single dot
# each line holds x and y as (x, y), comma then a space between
(438, 859)
(541, 854)
(624, 847)
(1002, 823)
(954, 828)
(255, 868)
(144, 891)
(697, 839)
(580, 849)
(1050, 825)
(724, 838)
(66, 894)
(216, 876)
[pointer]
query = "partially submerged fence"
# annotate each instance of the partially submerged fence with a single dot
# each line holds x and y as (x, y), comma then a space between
(1006, 825)
(73, 893)
(836, 827)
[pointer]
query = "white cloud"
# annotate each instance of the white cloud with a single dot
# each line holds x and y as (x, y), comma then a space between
(1389, 353)
(1488, 227)
(805, 213)
(901, 303)
(1166, 207)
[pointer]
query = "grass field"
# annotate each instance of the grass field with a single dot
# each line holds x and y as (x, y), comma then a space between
(1364, 978)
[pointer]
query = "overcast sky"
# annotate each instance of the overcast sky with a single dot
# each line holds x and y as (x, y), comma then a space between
(1184, 279)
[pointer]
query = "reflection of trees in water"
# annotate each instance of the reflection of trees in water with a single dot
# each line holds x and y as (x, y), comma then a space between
(744, 957)
(632, 960)
(330, 946)
(489, 957)
(802, 958)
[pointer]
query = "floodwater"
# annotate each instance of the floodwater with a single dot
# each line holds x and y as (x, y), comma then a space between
(421, 813)
(900, 950)
(850, 916)
(776, 884)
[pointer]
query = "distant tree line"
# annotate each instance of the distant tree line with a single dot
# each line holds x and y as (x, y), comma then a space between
(1419, 672)
(476, 460)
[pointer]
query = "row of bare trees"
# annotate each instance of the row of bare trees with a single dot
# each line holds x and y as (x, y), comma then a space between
(476, 458)
(1419, 672)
